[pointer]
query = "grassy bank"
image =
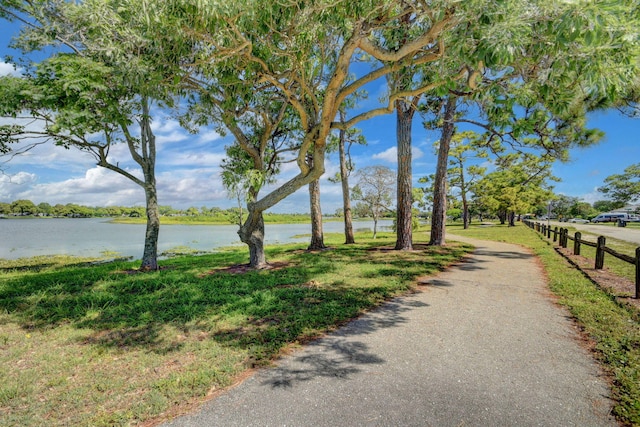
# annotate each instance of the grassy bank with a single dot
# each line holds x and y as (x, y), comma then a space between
(269, 218)
(615, 330)
(96, 345)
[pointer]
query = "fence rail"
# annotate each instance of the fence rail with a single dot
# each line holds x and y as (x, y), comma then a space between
(561, 235)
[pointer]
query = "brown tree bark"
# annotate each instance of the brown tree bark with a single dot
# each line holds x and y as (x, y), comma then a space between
(344, 179)
(439, 216)
(152, 232)
(317, 236)
(404, 233)
(252, 234)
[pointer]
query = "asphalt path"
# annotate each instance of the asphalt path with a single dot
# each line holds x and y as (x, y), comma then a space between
(482, 344)
(627, 234)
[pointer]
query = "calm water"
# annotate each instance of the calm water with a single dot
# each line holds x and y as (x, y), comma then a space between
(97, 236)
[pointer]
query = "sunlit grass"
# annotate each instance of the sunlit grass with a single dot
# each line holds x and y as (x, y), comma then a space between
(84, 344)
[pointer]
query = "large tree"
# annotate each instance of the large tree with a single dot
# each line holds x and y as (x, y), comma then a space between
(543, 69)
(344, 139)
(519, 184)
(623, 188)
(466, 147)
(96, 90)
(305, 51)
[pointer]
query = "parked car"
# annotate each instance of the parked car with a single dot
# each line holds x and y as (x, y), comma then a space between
(579, 221)
(611, 217)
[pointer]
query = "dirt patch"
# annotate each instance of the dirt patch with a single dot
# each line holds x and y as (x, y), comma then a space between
(246, 268)
(621, 288)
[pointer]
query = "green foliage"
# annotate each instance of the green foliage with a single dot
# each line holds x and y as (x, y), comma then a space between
(519, 184)
(623, 188)
(607, 205)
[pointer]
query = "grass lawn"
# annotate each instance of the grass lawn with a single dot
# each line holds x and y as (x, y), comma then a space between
(614, 329)
(100, 345)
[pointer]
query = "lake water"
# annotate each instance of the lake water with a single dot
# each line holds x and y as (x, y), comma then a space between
(97, 236)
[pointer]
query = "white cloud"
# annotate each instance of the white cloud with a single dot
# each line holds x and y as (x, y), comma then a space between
(208, 136)
(171, 137)
(592, 196)
(192, 158)
(390, 155)
(9, 70)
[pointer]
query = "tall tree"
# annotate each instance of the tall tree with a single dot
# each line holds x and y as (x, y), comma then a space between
(304, 52)
(99, 86)
(265, 133)
(542, 70)
(519, 184)
(623, 188)
(465, 146)
(439, 215)
(344, 139)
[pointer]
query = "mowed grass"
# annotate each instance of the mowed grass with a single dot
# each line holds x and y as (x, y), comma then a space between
(615, 265)
(614, 329)
(98, 345)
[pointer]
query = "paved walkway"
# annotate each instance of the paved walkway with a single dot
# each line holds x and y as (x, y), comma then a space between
(483, 345)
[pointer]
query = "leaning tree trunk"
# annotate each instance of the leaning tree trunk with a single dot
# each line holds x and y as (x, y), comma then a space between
(346, 198)
(439, 217)
(252, 234)
(317, 236)
(404, 232)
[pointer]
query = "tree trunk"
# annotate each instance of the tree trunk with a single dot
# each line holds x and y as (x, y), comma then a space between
(502, 215)
(465, 211)
(252, 234)
(317, 236)
(147, 161)
(512, 219)
(346, 197)
(375, 226)
(439, 217)
(404, 232)
(150, 254)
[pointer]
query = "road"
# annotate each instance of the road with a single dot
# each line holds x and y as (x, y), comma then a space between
(628, 234)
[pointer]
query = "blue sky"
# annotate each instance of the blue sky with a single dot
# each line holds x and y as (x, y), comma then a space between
(188, 172)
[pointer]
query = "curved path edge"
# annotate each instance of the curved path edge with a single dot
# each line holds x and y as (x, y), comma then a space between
(482, 344)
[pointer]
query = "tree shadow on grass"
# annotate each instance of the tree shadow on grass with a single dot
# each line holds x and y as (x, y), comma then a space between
(261, 311)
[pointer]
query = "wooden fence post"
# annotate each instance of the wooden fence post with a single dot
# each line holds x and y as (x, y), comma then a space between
(600, 252)
(555, 234)
(576, 243)
(637, 273)
(548, 232)
(564, 235)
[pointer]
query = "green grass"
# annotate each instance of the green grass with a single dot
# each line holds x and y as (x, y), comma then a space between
(100, 345)
(615, 265)
(614, 329)
(222, 219)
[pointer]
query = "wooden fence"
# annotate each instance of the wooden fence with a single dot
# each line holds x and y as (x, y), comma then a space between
(561, 235)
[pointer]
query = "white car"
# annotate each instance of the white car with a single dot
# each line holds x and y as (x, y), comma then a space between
(579, 221)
